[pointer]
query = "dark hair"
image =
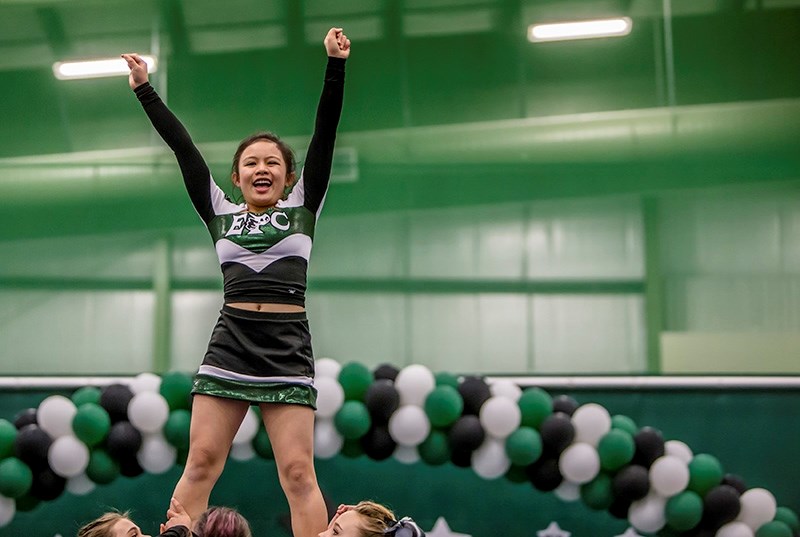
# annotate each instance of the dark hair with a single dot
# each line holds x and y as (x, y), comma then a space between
(222, 522)
(286, 151)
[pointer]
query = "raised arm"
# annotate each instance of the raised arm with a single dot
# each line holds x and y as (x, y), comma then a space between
(196, 175)
(317, 167)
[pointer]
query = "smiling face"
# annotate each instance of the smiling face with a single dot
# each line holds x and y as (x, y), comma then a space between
(262, 175)
(348, 524)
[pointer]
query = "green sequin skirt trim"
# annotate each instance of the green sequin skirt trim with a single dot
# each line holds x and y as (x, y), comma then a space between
(296, 394)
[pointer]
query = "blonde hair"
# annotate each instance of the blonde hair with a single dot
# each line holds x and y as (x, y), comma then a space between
(101, 527)
(376, 518)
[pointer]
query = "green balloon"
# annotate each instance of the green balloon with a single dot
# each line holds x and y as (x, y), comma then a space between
(524, 446)
(8, 433)
(598, 493)
(517, 474)
(352, 420)
(102, 469)
(176, 388)
(262, 445)
(616, 449)
(87, 394)
(443, 406)
(788, 517)
(15, 478)
(91, 424)
(435, 450)
(624, 423)
(446, 379)
(776, 528)
(352, 449)
(705, 473)
(176, 429)
(355, 379)
(684, 511)
(535, 405)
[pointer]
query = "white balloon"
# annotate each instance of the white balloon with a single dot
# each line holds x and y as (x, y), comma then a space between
(156, 455)
(414, 383)
(148, 412)
(80, 485)
(242, 452)
(145, 382)
(734, 529)
(330, 396)
(568, 491)
(409, 425)
(326, 368)
(647, 515)
(669, 475)
(758, 508)
(579, 463)
(248, 429)
(591, 422)
(490, 461)
(500, 416)
(54, 415)
(327, 440)
(406, 454)
(676, 448)
(8, 509)
(68, 456)
(506, 388)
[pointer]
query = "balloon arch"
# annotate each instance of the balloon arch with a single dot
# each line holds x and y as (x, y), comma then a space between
(579, 452)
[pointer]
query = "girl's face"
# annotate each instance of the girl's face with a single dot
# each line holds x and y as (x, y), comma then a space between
(126, 528)
(262, 175)
(348, 524)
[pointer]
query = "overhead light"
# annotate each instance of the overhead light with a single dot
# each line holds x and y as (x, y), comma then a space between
(98, 68)
(580, 29)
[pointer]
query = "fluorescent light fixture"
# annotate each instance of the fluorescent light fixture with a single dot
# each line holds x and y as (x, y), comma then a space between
(98, 68)
(580, 29)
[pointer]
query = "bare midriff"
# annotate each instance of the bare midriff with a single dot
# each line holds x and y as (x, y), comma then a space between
(268, 307)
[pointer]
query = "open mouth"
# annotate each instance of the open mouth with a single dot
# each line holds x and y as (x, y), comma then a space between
(262, 184)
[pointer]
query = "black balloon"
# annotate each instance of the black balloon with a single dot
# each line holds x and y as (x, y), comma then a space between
(631, 483)
(114, 399)
(382, 399)
(649, 446)
(47, 485)
(736, 482)
(386, 372)
(123, 441)
(720, 506)
(557, 433)
(474, 391)
(461, 458)
(27, 502)
(378, 444)
(130, 467)
(619, 508)
(466, 434)
(31, 446)
(566, 404)
(25, 417)
(544, 474)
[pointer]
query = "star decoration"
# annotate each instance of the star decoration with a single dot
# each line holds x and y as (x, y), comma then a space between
(630, 532)
(441, 529)
(553, 531)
